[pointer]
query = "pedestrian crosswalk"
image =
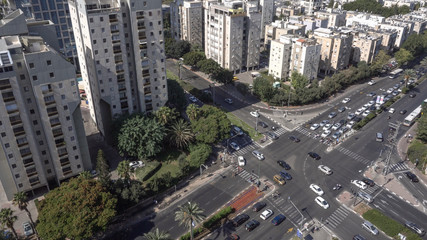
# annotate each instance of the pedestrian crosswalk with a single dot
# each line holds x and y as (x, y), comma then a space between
(247, 176)
(287, 209)
(304, 131)
(246, 149)
(372, 190)
(337, 217)
(398, 167)
(280, 131)
(353, 155)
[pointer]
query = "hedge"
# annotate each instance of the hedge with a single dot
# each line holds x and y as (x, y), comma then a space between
(148, 171)
(365, 121)
(389, 226)
(196, 232)
(217, 217)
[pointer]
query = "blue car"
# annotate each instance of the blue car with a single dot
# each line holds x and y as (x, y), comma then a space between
(285, 175)
(278, 219)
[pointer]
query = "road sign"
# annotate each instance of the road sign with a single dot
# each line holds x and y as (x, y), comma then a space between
(299, 233)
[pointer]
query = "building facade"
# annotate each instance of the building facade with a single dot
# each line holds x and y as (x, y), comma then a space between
(336, 18)
(305, 57)
(191, 14)
(280, 56)
(267, 10)
(365, 46)
(278, 28)
(121, 54)
(42, 133)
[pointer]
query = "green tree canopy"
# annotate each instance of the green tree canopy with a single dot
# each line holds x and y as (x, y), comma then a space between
(223, 76)
(176, 49)
(212, 125)
(103, 169)
(372, 6)
(123, 169)
(193, 111)
(193, 57)
(199, 154)
(166, 115)
(76, 210)
(263, 88)
(157, 235)
(298, 81)
(403, 56)
(379, 61)
(188, 214)
(176, 95)
(180, 134)
(141, 137)
(208, 66)
(8, 219)
(331, 4)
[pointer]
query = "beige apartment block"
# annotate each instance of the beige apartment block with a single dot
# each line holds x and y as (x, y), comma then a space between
(267, 11)
(403, 31)
(42, 134)
(191, 14)
(121, 54)
(279, 28)
(232, 34)
(336, 18)
(305, 57)
(365, 46)
(336, 48)
(287, 11)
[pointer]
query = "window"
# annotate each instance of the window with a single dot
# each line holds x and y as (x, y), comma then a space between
(41, 143)
(62, 96)
(31, 65)
(19, 64)
(3, 134)
(65, 107)
(72, 83)
(10, 156)
(60, 85)
(92, 30)
(49, 171)
(48, 62)
(43, 152)
(91, 20)
(34, 78)
(46, 162)
(52, 75)
(104, 40)
(16, 175)
(101, 19)
(78, 166)
(38, 133)
(96, 52)
(35, 122)
(67, 118)
(76, 157)
(74, 147)
(151, 24)
(20, 185)
(32, 111)
(105, 50)
(94, 41)
(70, 128)
(150, 13)
(22, 76)
(7, 145)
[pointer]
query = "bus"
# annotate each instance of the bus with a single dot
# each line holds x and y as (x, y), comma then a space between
(410, 119)
(395, 73)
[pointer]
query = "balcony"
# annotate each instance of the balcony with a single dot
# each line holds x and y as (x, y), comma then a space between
(46, 89)
(119, 71)
(120, 79)
(64, 161)
(59, 142)
(140, 15)
(57, 132)
(5, 84)
(114, 28)
(117, 49)
(141, 26)
(147, 90)
(113, 18)
(124, 105)
(15, 120)
(62, 152)
(19, 131)
(28, 162)
(67, 170)
(8, 97)
(25, 152)
(142, 36)
(31, 172)
(148, 107)
(34, 181)
(52, 113)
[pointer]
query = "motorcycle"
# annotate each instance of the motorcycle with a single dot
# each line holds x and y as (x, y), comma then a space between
(337, 187)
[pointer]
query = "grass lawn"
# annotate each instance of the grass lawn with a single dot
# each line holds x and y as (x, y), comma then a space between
(244, 126)
(168, 158)
(418, 150)
(187, 87)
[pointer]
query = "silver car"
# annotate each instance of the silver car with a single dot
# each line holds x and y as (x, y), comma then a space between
(258, 155)
(370, 228)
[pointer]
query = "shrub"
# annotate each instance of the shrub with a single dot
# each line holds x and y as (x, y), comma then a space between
(148, 171)
(365, 121)
(199, 154)
(217, 217)
(196, 232)
(418, 150)
(243, 88)
(405, 90)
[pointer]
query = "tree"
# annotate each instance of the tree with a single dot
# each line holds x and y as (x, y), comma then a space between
(298, 80)
(141, 137)
(166, 115)
(211, 126)
(331, 4)
(176, 95)
(208, 66)
(156, 184)
(7, 219)
(192, 111)
(223, 76)
(123, 169)
(199, 154)
(188, 214)
(379, 61)
(128, 193)
(85, 175)
(180, 134)
(193, 57)
(422, 126)
(20, 200)
(407, 74)
(78, 209)
(176, 49)
(103, 169)
(157, 235)
(424, 61)
(403, 56)
(263, 88)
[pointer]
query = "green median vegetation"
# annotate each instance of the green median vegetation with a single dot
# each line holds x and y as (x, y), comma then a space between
(365, 121)
(244, 126)
(388, 225)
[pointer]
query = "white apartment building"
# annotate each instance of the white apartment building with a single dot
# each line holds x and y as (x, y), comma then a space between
(311, 23)
(267, 10)
(42, 133)
(365, 46)
(336, 18)
(280, 56)
(305, 57)
(403, 31)
(121, 53)
(371, 20)
(400, 3)
(175, 19)
(232, 34)
(310, 6)
(191, 14)
(278, 28)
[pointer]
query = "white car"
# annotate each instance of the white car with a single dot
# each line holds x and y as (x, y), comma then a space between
(266, 214)
(28, 230)
(350, 124)
(327, 127)
(314, 126)
(359, 111)
(372, 82)
(346, 100)
(326, 133)
(365, 107)
(136, 164)
(322, 202)
(370, 228)
(241, 160)
(326, 170)
(371, 103)
(235, 146)
(316, 189)
(336, 126)
(323, 123)
(359, 184)
(193, 99)
(390, 90)
(254, 114)
(366, 113)
(258, 155)
(391, 110)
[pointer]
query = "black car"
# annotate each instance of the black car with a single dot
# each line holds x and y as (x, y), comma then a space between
(314, 155)
(372, 108)
(357, 119)
(272, 135)
(285, 175)
(284, 165)
(412, 95)
(240, 219)
(294, 139)
(263, 124)
(402, 112)
(358, 237)
(412, 176)
(258, 206)
(368, 182)
(251, 225)
(343, 122)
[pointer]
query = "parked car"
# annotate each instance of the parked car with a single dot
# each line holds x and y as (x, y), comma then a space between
(272, 135)
(372, 82)
(237, 130)
(358, 237)
(322, 202)
(240, 219)
(341, 109)
(326, 170)
(285, 175)
(412, 176)
(193, 99)
(28, 229)
(351, 116)
(314, 155)
(346, 100)
(343, 130)
(258, 155)
(325, 133)
(258, 206)
(412, 95)
(359, 111)
(370, 228)
(327, 126)
(284, 165)
(228, 100)
(294, 139)
(350, 124)
(136, 164)
(366, 113)
(235, 146)
(336, 135)
(263, 124)
(278, 219)
(316, 189)
(251, 225)
(342, 122)
(336, 126)
(241, 160)
(324, 122)
(266, 214)
(391, 110)
(279, 179)
(414, 227)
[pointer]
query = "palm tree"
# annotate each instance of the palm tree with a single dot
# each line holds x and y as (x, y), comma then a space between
(192, 112)
(166, 115)
(7, 219)
(20, 200)
(189, 214)
(180, 134)
(408, 74)
(157, 235)
(123, 170)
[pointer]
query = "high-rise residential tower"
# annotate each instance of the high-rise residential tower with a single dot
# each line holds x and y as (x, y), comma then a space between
(121, 54)
(42, 134)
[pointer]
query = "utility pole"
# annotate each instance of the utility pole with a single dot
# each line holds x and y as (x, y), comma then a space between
(302, 216)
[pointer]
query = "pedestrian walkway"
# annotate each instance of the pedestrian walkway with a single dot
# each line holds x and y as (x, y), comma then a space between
(337, 217)
(286, 209)
(248, 148)
(245, 199)
(249, 177)
(353, 155)
(372, 190)
(398, 167)
(280, 131)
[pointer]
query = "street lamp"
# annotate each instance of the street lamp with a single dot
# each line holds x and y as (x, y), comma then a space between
(213, 92)
(256, 121)
(302, 216)
(180, 65)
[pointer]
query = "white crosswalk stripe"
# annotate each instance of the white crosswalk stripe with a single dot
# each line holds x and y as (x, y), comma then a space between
(249, 177)
(337, 217)
(398, 167)
(303, 131)
(287, 209)
(246, 149)
(372, 190)
(353, 155)
(280, 131)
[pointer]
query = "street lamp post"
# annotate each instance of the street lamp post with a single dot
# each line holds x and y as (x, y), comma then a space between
(256, 122)
(289, 99)
(179, 69)
(302, 216)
